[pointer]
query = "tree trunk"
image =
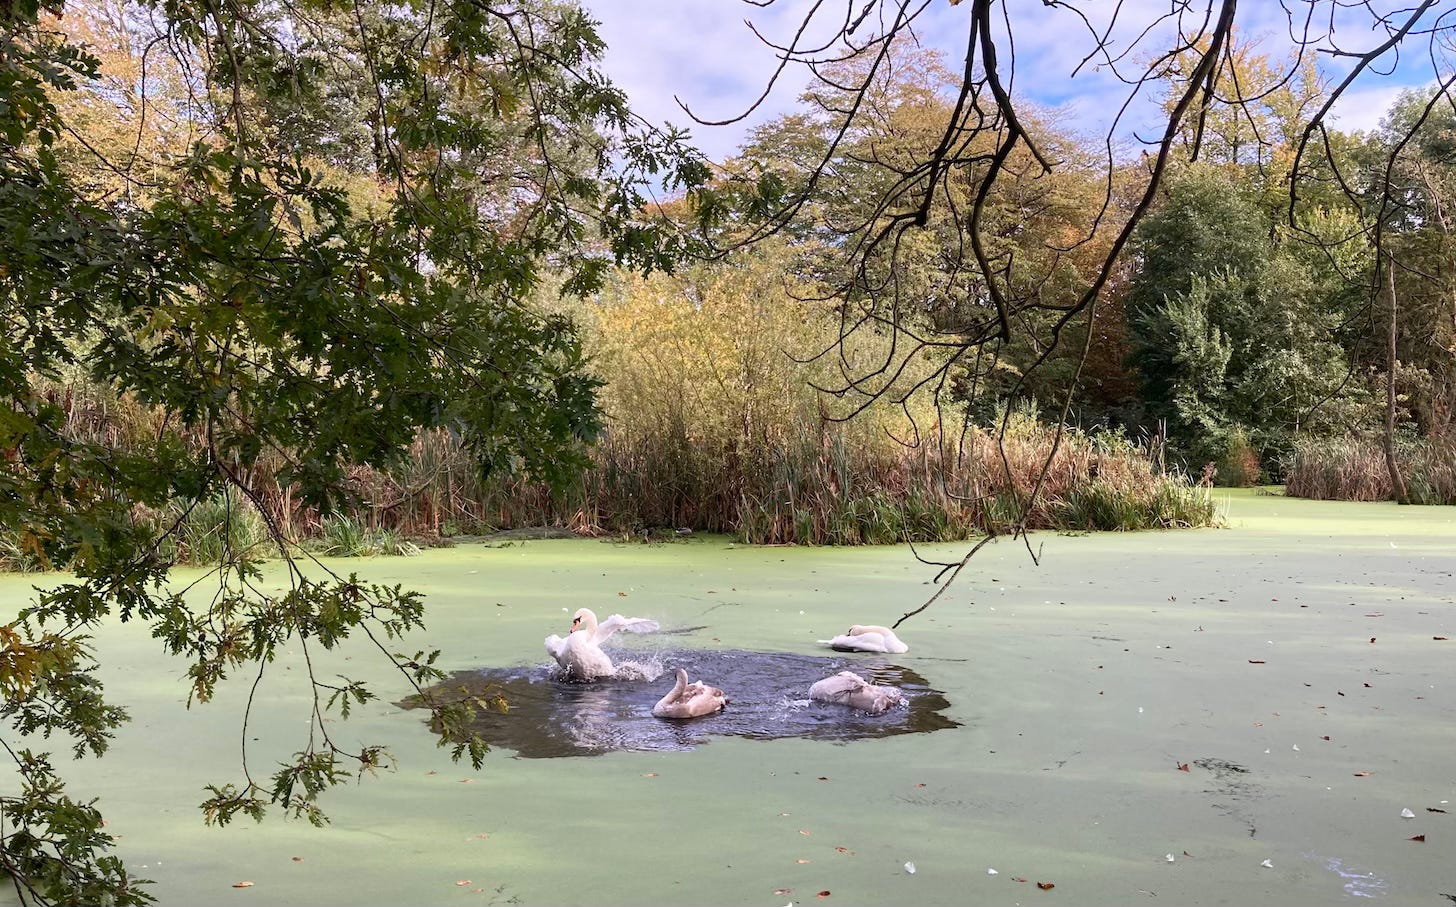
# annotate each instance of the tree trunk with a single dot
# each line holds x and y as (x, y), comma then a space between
(1397, 481)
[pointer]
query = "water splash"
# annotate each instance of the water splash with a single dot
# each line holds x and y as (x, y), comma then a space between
(767, 691)
(630, 671)
(1356, 884)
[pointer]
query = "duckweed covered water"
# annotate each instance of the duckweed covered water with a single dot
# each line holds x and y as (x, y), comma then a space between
(1079, 689)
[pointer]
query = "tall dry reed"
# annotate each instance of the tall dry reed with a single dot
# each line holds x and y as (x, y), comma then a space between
(1354, 469)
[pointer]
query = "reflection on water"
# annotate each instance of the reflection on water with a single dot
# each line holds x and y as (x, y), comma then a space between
(768, 693)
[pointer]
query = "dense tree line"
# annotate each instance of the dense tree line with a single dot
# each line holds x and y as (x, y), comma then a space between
(1237, 322)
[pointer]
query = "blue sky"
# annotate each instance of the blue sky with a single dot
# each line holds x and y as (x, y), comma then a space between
(702, 52)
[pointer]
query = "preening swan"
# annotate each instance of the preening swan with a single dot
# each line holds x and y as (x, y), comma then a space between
(580, 653)
(848, 688)
(689, 700)
(867, 639)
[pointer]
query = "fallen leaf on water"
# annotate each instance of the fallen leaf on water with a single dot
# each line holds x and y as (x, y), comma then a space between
(621, 595)
(463, 882)
(1183, 767)
(1018, 878)
(823, 777)
(1325, 737)
(1362, 774)
(1046, 886)
(803, 832)
(1255, 661)
(1432, 809)
(844, 850)
(483, 835)
(1187, 854)
(801, 860)
(1367, 686)
(921, 784)
(242, 884)
(1372, 639)
(823, 894)
(650, 775)
(1421, 838)
(783, 891)
(1438, 637)
(298, 859)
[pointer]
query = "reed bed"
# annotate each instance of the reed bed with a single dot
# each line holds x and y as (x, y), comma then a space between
(747, 456)
(829, 485)
(1354, 469)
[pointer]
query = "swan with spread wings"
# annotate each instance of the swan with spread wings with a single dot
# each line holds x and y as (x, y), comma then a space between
(580, 653)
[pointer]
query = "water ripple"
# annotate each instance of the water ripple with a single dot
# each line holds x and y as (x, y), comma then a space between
(767, 690)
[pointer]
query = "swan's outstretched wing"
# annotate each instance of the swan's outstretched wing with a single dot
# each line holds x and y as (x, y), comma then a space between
(626, 624)
(556, 648)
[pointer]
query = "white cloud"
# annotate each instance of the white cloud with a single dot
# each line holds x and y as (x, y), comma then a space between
(702, 52)
(1361, 110)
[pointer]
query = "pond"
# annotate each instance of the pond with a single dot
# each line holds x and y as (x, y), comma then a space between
(549, 717)
(1234, 715)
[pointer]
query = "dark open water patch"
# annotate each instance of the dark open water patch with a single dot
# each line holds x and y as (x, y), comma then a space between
(768, 693)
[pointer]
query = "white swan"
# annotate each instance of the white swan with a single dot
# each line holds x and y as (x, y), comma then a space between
(848, 688)
(580, 653)
(689, 700)
(868, 638)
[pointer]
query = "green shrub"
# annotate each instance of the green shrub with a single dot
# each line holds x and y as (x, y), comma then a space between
(1169, 504)
(1237, 465)
(221, 528)
(18, 557)
(341, 535)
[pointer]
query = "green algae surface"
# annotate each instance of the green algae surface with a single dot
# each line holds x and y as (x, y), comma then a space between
(1235, 715)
